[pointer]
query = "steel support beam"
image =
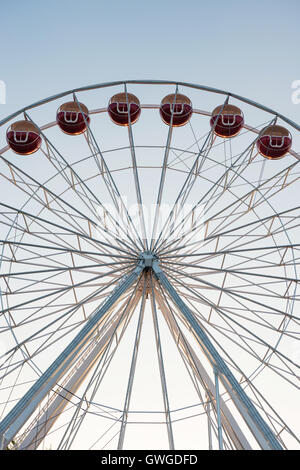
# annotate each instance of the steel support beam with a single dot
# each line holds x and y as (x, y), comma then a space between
(21, 412)
(44, 421)
(227, 419)
(259, 428)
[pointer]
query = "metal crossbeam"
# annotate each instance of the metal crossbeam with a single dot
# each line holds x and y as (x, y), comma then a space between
(228, 421)
(255, 422)
(20, 413)
(55, 405)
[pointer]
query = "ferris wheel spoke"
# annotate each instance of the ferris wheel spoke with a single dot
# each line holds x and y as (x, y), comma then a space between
(65, 316)
(279, 250)
(252, 205)
(238, 272)
(205, 301)
(200, 164)
(60, 164)
(79, 275)
(227, 333)
(269, 230)
(282, 175)
(178, 156)
(232, 251)
(59, 244)
(77, 305)
(163, 173)
(110, 182)
(265, 289)
(247, 380)
(214, 187)
(193, 299)
(192, 364)
(136, 175)
(259, 398)
(238, 174)
(96, 296)
(192, 154)
(243, 310)
(271, 420)
(185, 190)
(10, 394)
(252, 236)
(217, 144)
(275, 369)
(189, 181)
(275, 417)
(226, 354)
(65, 249)
(180, 340)
(253, 224)
(262, 262)
(132, 369)
(34, 187)
(208, 157)
(77, 177)
(162, 368)
(67, 268)
(37, 310)
(41, 333)
(100, 371)
(58, 248)
(33, 256)
(46, 265)
(37, 187)
(252, 264)
(79, 342)
(63, 394)
(99, 379)
(280, 355)
(234, 294)
(37, 219)
(57, 291)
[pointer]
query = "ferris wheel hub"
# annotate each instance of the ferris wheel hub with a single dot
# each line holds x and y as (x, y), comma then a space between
(148, 259)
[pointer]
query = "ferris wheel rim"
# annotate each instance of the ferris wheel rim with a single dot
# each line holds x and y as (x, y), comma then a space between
(122, 83)
(151, 82)
(109, 84)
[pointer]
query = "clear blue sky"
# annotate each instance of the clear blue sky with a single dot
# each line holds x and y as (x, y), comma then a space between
(249, 47)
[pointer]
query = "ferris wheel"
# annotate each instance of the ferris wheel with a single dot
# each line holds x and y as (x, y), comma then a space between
(149, 271)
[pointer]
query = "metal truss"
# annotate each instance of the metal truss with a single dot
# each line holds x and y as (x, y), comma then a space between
(220, 286)
(63, 365)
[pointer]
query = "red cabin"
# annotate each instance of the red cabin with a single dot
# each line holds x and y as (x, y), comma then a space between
(72, 117)
(23, 137)
(118, 109)
(274, 142)
(228, 121)
(182, 109)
